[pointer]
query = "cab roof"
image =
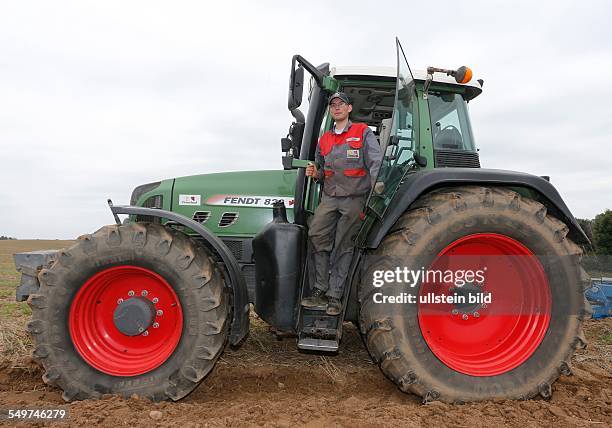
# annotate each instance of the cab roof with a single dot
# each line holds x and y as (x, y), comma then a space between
(473, 87)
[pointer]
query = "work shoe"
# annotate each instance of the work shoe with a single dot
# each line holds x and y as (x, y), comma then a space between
(317, 298)
(334, 306)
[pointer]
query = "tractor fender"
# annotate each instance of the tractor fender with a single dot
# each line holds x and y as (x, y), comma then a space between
(240, 301)
(424, 181)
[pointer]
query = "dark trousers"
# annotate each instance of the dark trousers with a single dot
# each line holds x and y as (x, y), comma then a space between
(332, 235)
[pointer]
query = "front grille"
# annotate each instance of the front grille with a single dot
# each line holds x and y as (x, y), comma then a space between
(235, 246)
(227, 219)
(456, 159)
(201, 216)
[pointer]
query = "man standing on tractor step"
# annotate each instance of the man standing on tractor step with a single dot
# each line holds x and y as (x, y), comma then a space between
(347, 160)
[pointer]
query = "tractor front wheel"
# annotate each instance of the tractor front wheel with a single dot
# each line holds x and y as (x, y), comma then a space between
(513, 347)
(131, 309)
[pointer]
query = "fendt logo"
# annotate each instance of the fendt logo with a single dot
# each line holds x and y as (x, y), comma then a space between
(249, 201)
(190, 200)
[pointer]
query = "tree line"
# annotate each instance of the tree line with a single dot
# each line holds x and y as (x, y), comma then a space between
(599, 230)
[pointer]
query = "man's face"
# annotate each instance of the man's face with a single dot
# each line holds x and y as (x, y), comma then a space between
(339, 109)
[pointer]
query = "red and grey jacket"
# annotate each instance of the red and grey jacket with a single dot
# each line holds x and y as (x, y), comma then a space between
(348, 162)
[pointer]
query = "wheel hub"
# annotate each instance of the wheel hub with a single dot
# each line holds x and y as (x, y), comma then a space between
(466, 291)
(134, 315)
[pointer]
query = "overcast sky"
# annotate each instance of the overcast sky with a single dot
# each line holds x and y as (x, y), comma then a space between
(98, 97)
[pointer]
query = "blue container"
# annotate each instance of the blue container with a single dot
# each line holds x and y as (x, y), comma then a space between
(600, 297)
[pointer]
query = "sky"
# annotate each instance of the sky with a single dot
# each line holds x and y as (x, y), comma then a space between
(99, 97)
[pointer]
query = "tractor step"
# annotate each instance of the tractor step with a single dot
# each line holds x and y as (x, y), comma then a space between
(319, 308)
(314, 344)
(318, 331)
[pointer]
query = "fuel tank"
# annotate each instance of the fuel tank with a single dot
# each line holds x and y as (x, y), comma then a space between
(278, 250)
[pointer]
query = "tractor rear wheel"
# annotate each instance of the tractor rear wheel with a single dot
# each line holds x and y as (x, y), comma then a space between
(131, 309)
(513, 348)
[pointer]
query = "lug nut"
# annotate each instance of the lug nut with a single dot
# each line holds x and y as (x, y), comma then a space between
(155, 325)
(476, 314)
(131, 293)
(140, 329)
(464, 317)
(483, 305)
(146, 333)
(160, 312)
(155, 300)
(119, 301)
(454, 312)
(144, 292)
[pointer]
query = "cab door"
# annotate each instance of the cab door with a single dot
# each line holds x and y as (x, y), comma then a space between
(401, 143)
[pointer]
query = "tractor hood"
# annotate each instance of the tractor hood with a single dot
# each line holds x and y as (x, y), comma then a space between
(234, 204)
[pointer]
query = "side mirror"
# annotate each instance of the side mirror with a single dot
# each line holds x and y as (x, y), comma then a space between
(296, 86)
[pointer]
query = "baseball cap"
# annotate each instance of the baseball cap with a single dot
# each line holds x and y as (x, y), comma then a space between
(340, 95)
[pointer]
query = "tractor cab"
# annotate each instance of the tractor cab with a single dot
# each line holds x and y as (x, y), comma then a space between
(420, 119)
(372, 91)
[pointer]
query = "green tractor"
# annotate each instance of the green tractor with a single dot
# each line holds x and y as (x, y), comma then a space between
(146, 306)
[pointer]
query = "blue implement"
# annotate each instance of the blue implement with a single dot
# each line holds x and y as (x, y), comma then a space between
(600, 297)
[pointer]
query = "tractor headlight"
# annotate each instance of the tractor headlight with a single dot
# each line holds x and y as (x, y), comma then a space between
(156, 201)
(141, 190)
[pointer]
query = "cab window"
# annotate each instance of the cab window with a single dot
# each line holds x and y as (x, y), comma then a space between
(449, 122)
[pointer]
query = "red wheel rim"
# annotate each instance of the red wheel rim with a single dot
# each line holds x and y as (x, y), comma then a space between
(487, 340)
(97, 339)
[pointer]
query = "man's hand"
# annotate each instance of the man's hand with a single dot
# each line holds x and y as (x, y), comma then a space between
(311, 170)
